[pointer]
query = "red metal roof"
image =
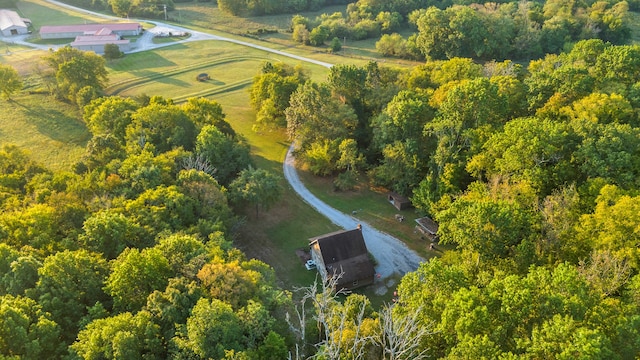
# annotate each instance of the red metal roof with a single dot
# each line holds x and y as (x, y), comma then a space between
(49, 29)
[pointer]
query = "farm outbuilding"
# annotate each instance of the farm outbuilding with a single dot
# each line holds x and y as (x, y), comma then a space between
(72, 31)
(12, 24)
(343, 252)
(400, 202)
(96, 42)
(427, 228)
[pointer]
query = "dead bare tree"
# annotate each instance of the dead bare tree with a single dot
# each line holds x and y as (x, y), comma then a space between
(331, 321)
(606, 272)
(400, 334)
(397, 337)
(198, 162)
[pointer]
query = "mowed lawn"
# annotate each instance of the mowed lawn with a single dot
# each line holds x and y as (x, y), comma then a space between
(171, 71)
(52, 132)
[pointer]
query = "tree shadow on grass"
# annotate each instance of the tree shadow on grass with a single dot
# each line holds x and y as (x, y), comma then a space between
(215, 82)
(141, 61)
(157, 77)
(57, 125)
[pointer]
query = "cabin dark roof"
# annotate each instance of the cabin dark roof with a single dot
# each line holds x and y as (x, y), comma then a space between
(345, 251)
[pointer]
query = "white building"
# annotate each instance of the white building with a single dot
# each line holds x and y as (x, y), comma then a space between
(12, 24)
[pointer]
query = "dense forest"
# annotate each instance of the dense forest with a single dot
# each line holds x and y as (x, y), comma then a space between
(531, 171)
(513, 30)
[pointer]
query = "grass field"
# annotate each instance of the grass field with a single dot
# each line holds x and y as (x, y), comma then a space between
(50, 131)
(171, 74)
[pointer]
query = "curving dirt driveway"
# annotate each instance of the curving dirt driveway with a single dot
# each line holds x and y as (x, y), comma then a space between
(392, 255)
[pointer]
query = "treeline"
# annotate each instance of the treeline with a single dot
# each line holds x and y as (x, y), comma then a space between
(154, 9)
(269, 7)
(531, 173)
(490, 31)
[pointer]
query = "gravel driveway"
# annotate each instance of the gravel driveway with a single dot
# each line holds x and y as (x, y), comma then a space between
(392, 255)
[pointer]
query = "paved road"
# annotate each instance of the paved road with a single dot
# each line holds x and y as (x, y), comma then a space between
(392, 255)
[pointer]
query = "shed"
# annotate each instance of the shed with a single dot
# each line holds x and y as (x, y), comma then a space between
(427, 227)
(400, 202)
(12, 24)
(343, 252)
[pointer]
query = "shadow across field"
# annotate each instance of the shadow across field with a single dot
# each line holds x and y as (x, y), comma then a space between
(160, 78)
(56, 125)
(151, 60)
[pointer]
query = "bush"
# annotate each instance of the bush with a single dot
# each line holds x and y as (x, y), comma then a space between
(112, 51)
(346, 181)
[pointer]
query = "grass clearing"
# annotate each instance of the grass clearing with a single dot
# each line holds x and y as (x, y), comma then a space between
(21, 58)
(208, 16)
(43, 13)
(49, 130)
(172, 71)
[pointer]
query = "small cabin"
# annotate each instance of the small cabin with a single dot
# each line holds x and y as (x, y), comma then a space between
(202, 77)
(343, 253)
(398, 201)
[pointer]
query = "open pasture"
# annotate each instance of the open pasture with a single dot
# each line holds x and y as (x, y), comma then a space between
(171, 72)
(50, 131)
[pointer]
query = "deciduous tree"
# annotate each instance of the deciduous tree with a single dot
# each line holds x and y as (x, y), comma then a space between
(69, 283)
(122, 336)
(135, 275)
(226, 154)
(257, 187)
(76, 69)
(10, 81)
(27, 331)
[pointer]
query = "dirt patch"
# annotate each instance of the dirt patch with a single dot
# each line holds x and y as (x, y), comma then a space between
(303, 254)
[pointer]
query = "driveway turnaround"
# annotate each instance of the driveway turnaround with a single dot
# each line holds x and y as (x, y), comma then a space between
(391, 254)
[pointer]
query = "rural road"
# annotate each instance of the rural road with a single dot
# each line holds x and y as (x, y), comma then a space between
(392, 256)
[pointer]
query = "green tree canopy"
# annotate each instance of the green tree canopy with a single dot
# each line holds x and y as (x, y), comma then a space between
(135, 275)
(225, 154)
(163, 126)
(257, 187)
(10, 81)
(27, 331)
(76, 69)
(122, 336)
(204, 112)
(69, 283)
